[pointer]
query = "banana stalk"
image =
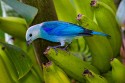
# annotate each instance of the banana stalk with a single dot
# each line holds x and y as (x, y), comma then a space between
(99, 46)
(105, 18)
(71, 64)
(53, 74)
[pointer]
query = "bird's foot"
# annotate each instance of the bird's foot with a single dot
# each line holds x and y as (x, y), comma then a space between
(61, 47)
(55, 48)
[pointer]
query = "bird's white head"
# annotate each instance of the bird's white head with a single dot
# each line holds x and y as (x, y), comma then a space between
(33, 33)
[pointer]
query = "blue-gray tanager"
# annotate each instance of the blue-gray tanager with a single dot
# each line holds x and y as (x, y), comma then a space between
(58, 31)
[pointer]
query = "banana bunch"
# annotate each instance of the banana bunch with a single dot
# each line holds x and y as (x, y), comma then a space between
(118, 71)
(91, 77)
(99, 46)
(105, 18)
(72, 65)
(53, 74)
(14, 26)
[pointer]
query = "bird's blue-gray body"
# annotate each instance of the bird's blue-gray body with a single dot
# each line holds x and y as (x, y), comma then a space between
(58, 31)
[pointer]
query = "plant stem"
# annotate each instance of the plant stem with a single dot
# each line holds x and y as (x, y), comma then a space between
(46, 12)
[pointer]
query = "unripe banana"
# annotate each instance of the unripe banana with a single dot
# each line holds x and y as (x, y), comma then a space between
(110, 3)
(31, 77)
(99, 46)
(118, 71)
(120, 15)
(71, 64)
(105, 18)
(84, 7)
(65, 5)
(108, 77)
(14, 26)
(53, 74)
(91, 77)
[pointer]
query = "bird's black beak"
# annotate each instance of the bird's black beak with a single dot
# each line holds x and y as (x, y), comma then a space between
(28, 42)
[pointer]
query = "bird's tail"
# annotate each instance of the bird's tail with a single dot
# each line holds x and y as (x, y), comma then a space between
(101, 34)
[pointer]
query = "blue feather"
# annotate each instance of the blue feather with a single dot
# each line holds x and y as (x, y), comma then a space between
(60, 28)
(100, 33)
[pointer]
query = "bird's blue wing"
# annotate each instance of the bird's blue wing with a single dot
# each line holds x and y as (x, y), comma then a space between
(60, 28)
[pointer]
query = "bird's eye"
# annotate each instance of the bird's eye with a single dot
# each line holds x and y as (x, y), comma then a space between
(30, 35)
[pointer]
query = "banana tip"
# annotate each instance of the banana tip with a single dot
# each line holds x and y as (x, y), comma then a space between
(93, 3)
(46, 51)
(111, 59)
(47, 64)
(87, 72)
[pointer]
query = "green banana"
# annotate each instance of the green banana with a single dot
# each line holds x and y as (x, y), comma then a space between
(65, 10)
(118, 71)
(53, 74)
(84, 49)
(14, 26)
(71, 64)
(84, 7)
(108, 77)
(30, 78)
(110, 3)
(99, 46)
(105, 18)
(91, 77)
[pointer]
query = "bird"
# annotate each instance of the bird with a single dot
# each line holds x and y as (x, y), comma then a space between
(58, 31)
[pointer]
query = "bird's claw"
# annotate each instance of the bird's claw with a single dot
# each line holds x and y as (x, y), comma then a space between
(55, 48)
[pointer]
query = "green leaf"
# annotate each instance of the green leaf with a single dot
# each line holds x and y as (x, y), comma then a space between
(4, 77)
(26, 11)
(19, 58)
